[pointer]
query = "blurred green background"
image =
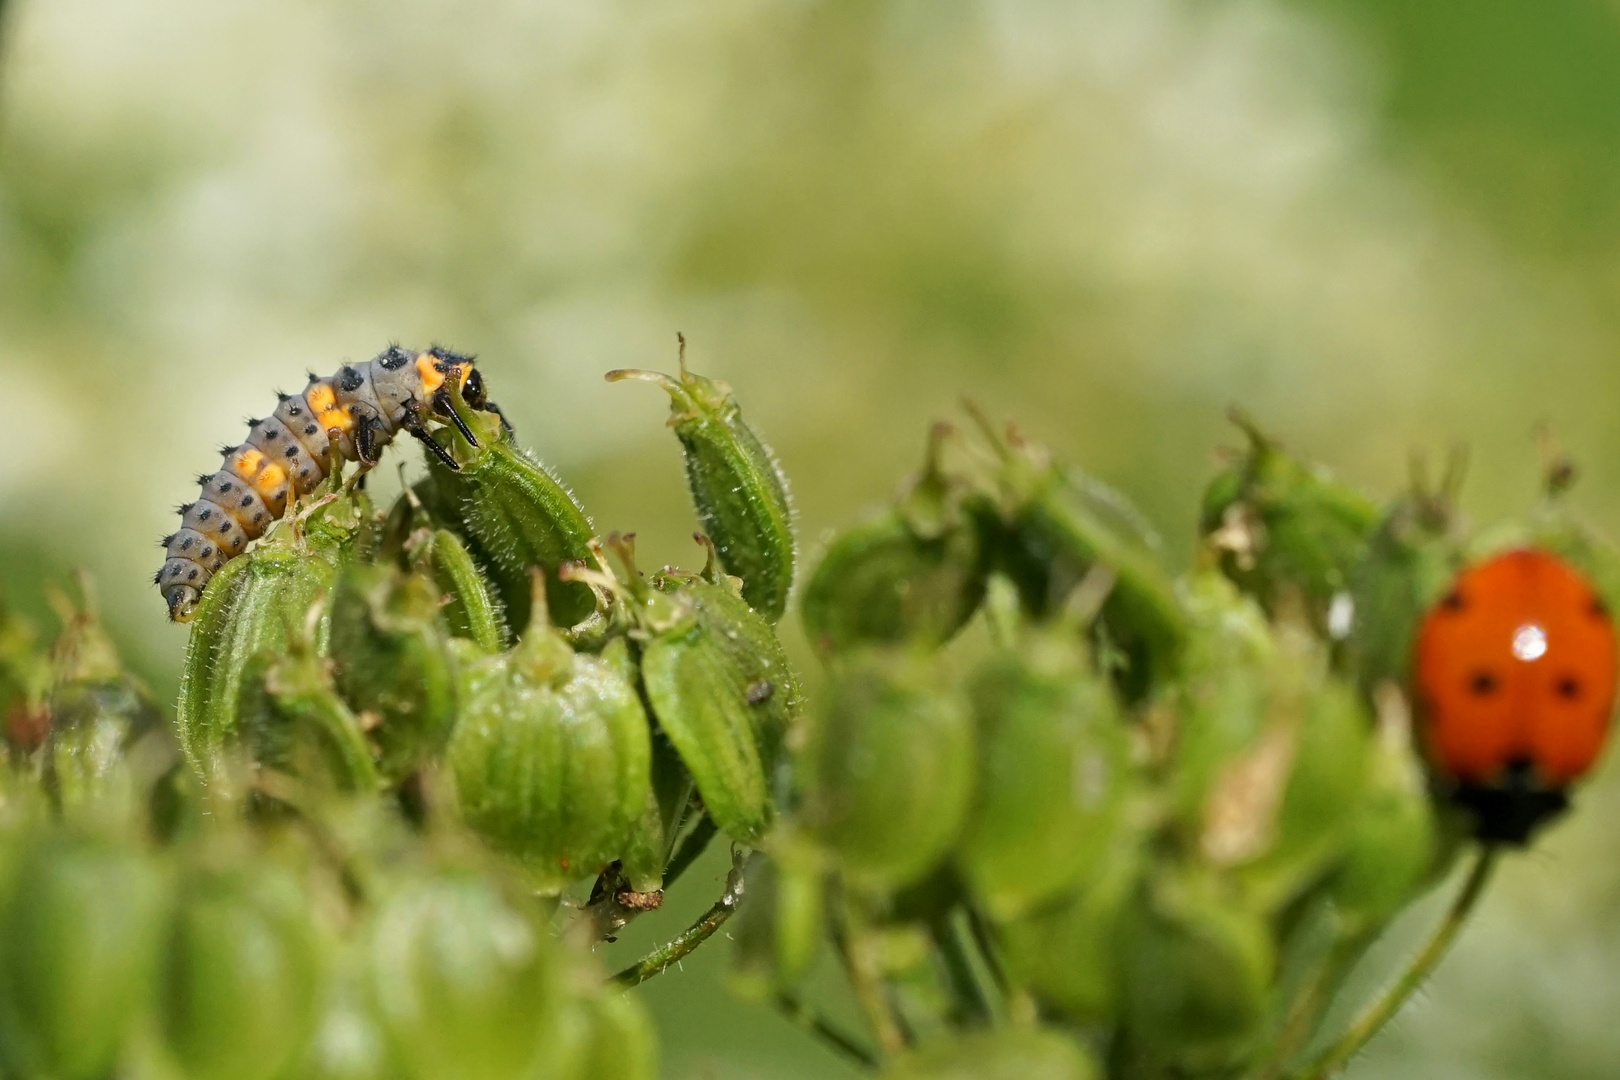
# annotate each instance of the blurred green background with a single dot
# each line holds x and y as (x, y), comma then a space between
(1379, 225)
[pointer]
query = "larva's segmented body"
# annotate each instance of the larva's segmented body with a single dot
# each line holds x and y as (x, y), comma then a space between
(356, 412)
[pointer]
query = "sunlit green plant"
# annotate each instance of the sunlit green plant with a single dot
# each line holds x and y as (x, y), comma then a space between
(1053, 811)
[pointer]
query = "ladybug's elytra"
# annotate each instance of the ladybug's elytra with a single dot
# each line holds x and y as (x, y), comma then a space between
(1516, 672)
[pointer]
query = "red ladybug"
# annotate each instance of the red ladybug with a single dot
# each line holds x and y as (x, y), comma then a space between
(1516, 672)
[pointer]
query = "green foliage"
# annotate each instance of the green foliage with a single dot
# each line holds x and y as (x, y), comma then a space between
(1053, 811)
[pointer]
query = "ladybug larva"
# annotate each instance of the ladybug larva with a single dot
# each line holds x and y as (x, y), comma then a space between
(356, 412)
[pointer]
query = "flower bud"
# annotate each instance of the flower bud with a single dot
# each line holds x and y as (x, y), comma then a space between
(462, 980)
(79, 932)
(256, 603)
(1283, 524)
(1006, 1054)
(517, 515)
(915, 572)
(1049, 525)
(1053, 772)
(739, 490)
(552, 755)
(393, 662)
(241, 969)
(888, 769)
(1067, 954)
(1196, 970)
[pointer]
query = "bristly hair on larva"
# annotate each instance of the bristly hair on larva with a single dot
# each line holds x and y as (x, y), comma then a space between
(355, 412)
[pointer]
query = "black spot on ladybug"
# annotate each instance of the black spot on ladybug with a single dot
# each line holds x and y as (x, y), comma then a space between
(1453, 601)
(1482, 683)
(303, 474)
(1568, 688)
(1598, 607)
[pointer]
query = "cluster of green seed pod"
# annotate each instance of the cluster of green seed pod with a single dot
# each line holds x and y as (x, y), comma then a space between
(1143, 821)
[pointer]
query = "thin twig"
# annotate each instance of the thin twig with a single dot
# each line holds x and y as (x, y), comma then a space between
(866, 981)
(790, 1006)
(1365, 1026)
(657, 961)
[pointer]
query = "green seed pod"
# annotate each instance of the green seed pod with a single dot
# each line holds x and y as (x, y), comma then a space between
(1391, 841)
(1068, 955)
(778, 927)
(915, 572)
(97, 713)
(1409, 562)
(79, 930)
(1319, 735)
(1196, 969)
(1049, 525)
(241, 970)
(292, 719)
(256, 603)
(1053, 773)
(1282, 524)
(1007, 1054)
(888, 768)
(552, 756)
(1220, 702)
(613, 1039)
(462, 980)
(739, 490)
(758, 664)
(516, 515)
(347, 1043)
(393, 662)
(721, 688)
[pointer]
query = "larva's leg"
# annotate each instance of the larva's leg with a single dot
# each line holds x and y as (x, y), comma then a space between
(419, 433)
(441, 405)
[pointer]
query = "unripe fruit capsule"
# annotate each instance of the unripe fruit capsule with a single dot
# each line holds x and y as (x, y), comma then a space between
(739, 490)
(888, 770)
(1006, 1054)
(551, 756)
(79, 933)
(915, 572)
(462, 980)
(241, 969)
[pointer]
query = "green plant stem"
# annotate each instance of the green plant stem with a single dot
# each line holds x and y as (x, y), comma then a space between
(790, 1006)
(657, 961)
(1307, 1008)
(866, 981)
(972, 998)
(1368, 1024)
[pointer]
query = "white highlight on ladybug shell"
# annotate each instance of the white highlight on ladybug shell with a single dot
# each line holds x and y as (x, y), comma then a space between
(1529, 642)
